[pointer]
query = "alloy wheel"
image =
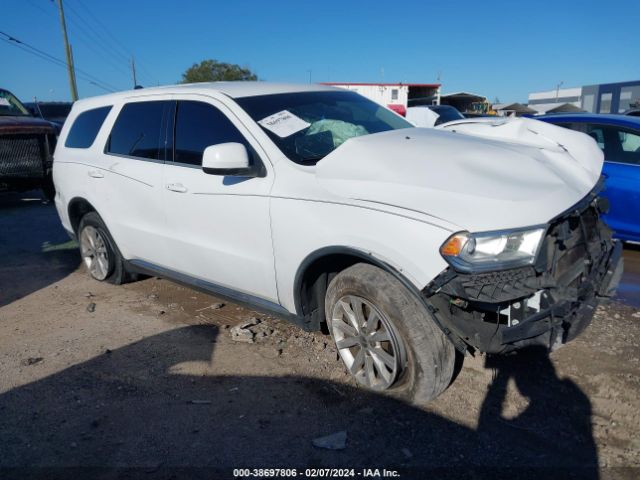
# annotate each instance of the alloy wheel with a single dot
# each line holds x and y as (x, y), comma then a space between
(95, 255)
(367, 342)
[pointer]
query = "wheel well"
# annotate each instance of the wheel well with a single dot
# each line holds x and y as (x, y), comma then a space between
(314, 277)
(78, 207)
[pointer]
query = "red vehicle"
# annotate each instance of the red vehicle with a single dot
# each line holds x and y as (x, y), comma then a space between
(26, 148)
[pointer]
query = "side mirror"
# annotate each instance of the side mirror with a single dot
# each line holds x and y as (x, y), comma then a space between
(228, 159)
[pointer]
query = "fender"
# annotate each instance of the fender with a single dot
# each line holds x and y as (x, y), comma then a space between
(369, 257)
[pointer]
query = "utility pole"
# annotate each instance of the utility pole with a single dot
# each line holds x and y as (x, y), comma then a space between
(73, 70)
(558, 90)
(133, 70)
(67, 50)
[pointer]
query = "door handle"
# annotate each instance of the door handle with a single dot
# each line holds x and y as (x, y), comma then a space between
(177, 187)
(95, 174)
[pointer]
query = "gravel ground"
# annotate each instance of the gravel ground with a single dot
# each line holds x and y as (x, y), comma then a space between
(147, 376)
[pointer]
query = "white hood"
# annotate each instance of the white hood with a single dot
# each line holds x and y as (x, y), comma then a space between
(476, 183)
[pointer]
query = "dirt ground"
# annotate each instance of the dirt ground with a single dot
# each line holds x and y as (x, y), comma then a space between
(144, 379)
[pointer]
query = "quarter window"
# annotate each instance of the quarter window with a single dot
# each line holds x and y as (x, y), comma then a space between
(138, 130)
(199, 125)
(86, 127)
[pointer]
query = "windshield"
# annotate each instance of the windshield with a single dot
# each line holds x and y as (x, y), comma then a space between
(446, 113)
(10, 105)
(308, 126)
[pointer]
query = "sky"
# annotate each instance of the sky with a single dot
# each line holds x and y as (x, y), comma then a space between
(502, 49)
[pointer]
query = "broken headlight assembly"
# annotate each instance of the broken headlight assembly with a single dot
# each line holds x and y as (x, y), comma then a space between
(488, 251)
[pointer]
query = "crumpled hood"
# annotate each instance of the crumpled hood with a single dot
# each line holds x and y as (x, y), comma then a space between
(478, 184)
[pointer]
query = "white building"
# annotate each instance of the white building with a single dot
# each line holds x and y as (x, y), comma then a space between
(559, 95)
(549, 99)
(601, 98)
(396, 96)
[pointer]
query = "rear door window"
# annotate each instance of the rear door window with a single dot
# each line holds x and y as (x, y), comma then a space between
(597, 133)
(139, 130)
(620, 145)
(630, 142)
(85, 128)
(199, 125)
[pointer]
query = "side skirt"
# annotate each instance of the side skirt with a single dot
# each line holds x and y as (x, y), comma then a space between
(241, 298)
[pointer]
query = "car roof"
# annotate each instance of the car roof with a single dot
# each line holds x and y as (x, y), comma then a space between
(231, 89)
(624, 120)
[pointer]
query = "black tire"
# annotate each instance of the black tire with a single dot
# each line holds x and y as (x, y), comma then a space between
(117, 271)
(428, 365)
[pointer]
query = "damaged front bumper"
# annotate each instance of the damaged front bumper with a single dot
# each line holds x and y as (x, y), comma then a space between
(548, 303)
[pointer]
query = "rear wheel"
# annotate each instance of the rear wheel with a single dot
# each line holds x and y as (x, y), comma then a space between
(95, 254)
(385, 337)
(99, 252)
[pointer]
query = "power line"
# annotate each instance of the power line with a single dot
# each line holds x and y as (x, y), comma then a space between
(50, 58)
(35, 5)
(93, 40)
(21, 47)
(89, 35)
(57, 62)
(48, 14)
(79, 21)
(93, 34)
(125, 53)
(89, 43)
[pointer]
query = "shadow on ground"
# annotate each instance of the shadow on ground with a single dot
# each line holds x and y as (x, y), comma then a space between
(143, 407)
(35, 251)
(135, 407)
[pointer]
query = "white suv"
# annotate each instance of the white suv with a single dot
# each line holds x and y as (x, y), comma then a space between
(329, 210)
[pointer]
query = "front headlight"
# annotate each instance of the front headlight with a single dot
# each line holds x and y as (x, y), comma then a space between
(478, 252)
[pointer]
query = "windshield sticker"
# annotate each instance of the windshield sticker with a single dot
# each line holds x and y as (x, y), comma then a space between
(283, 123)
(4, 102)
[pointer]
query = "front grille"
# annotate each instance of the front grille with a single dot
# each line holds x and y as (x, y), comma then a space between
(22, 156)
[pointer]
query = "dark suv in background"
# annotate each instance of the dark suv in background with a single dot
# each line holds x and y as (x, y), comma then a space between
(26, 148)
(54, 112)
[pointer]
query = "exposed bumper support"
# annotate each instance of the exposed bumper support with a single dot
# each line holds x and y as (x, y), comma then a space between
(568, 318)
(549, 303)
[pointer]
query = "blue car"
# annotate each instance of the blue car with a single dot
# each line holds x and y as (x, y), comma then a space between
(619, 138)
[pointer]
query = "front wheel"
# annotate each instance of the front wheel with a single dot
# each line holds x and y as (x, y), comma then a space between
(385, 337)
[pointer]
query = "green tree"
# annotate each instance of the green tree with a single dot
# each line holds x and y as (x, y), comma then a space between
(213, 71)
